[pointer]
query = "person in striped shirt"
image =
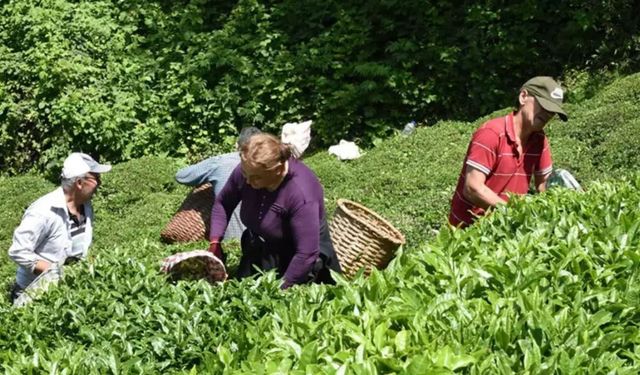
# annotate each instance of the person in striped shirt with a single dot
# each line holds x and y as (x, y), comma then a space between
(505, 152)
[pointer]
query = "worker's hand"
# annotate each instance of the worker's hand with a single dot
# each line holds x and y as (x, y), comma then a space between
(41, 266)
(216, 248)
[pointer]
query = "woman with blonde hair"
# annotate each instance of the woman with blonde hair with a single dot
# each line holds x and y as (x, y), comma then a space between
(283, 210)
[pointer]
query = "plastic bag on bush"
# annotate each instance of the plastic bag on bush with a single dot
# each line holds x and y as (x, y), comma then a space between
(562, 178)
(345, 150)
(194, 265)
(298, 135)
(40, 285)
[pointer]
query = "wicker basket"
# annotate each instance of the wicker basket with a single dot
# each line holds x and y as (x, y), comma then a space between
(191, 222)
(362, 238)
(194, 265)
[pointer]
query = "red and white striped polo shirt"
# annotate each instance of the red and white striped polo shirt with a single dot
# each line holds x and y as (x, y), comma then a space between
(494, 151)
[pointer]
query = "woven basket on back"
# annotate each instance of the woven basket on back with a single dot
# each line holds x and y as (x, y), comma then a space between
(362, 238)
(191, 222)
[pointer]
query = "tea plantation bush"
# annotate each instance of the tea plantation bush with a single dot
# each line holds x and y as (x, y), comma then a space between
(544, 285)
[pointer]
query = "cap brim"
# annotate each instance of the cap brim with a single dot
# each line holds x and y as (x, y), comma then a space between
(100, 168)
(552, 107)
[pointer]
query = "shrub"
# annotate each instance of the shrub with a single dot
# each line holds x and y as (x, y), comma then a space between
(121, 80)
(601, 131)
(540, 284)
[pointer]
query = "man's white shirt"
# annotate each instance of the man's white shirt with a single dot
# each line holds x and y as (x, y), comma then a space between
(45, 234)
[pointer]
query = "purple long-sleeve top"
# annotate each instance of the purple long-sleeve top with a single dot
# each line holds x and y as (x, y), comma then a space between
(288, 218)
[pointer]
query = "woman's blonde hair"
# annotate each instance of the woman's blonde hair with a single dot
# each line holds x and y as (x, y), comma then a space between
(265, 150)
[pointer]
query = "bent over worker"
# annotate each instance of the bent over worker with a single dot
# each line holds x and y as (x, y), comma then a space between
(283, 210)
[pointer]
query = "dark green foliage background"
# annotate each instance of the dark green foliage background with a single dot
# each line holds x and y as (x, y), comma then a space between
(124, 79)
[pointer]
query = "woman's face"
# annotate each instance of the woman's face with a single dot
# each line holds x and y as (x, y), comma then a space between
(259, 177)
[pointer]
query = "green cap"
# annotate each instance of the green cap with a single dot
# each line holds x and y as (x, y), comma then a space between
(549, 94)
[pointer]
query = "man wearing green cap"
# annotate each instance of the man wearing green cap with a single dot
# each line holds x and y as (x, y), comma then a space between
(505, 152)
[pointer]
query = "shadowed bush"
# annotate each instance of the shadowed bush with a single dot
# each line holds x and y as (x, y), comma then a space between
(125, 79)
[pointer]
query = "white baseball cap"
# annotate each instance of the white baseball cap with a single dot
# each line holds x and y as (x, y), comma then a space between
(79, 164)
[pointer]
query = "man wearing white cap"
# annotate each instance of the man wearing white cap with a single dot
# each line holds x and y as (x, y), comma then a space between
(57, 227)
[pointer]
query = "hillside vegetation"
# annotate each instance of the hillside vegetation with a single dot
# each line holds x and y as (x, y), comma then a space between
(547, 284)
(125, 79)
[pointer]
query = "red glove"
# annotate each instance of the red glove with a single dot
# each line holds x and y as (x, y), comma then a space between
(216, 248)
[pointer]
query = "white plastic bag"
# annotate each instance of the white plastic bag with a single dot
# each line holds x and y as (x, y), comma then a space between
(298, 135)
(40, 285)
(562, 178)
(345, 150)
